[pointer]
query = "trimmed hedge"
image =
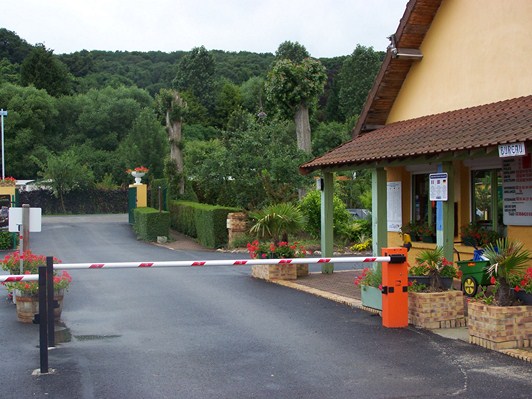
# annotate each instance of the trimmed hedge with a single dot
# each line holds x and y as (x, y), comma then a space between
(207, 223)
(150, 223)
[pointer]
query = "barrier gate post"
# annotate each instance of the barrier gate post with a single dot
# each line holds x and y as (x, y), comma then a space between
(395, 288)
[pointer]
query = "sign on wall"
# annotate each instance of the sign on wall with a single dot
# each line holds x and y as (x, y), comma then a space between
(393, 205)
(517, 191)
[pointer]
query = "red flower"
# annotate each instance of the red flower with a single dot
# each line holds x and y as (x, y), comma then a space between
(493, 280)
(517, 289)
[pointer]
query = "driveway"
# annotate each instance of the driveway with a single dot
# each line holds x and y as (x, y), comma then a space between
(215, 332)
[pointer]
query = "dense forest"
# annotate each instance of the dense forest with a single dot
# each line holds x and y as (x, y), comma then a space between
(228, 128)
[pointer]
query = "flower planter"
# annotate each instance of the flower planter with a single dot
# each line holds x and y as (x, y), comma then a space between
(28, 306)
(284, 271)
(428, 239)
(425, 280)
(302, 270)
(499, 327)
(524, 297)
(371, 297)
(436, 309)
(138, 177)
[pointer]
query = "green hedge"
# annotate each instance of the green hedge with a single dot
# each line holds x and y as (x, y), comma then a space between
(8, 240)
(150, 223)
(207, 223)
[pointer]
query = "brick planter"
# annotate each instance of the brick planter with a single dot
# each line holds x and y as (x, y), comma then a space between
(283, 271)
(302, 270)
(436, 309)
(500, 327)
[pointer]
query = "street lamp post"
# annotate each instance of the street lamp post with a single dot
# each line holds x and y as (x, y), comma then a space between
(2, 114)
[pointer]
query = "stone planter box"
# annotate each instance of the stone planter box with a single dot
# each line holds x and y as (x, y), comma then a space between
(371, 297)
(500, 327)
(436, 309)
(283, 271)
(302, 270)
(28, 306)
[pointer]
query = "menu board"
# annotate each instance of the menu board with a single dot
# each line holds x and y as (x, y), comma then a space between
(517, 191)
(393, 202)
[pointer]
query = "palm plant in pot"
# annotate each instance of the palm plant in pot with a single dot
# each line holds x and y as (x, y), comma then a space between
(507, 259)
(432, 271)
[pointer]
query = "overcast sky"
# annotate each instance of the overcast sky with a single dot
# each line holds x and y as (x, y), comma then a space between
(327, 28)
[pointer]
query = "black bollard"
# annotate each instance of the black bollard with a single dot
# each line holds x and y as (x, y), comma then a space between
(43, 321)
(50, 303)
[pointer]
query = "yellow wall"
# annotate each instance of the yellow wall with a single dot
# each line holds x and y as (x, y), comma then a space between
(475, 52)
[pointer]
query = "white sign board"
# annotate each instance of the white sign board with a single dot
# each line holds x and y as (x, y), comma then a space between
(439, 186)
(15, 219)
(517, 191)
(393, 206)
(512, 150)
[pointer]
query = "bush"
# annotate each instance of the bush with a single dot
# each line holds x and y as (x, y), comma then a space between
(6, 240)
(207, 223)
(150, 223)
(311, 207)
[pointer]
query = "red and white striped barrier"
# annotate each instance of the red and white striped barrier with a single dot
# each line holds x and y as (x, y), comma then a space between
(245, 262)
(15, 278)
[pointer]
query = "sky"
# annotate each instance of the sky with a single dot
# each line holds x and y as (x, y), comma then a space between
(327, 28)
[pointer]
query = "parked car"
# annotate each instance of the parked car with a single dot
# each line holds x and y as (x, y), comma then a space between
(360, 213)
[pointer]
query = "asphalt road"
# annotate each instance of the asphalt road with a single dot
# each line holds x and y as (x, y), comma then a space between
(215, 332)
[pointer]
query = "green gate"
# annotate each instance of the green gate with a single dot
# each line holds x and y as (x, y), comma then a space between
(131, 203)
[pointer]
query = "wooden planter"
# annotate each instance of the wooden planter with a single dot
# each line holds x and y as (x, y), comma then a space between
(371, 297)
(500, 327)
(436, 309)
(283, 271)
(28, 307)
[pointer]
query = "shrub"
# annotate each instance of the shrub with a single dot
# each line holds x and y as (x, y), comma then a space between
(311, 207)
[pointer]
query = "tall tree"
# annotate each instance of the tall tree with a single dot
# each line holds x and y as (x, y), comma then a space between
(172, 108)
(44, 71)
(195, 73)
(294, 87)
(355, 79)
(292, 51)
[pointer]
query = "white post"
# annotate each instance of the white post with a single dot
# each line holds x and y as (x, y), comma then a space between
(2, 114)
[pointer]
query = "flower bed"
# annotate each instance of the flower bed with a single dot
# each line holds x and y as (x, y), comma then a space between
(499, 327)
(436, 309)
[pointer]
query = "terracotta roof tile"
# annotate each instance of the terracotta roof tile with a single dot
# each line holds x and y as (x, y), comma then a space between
(482, 126)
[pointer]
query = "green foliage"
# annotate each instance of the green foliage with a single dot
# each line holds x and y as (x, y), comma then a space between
(13, 48)
(294, 52)
(207, 223)
(355, 80)
(277, 221)
(291, 84)
(44, 71)
(328, 136)
(150, 223)
(64, 173)
(311, 207)
(195, 73)
(7, 240)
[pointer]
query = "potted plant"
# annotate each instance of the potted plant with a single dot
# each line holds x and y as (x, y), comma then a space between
(432, 271)
(370, 283)
(496, 319)
(477, 235)
(138, 173)
(427, 233)
(26, 292)
(281, 250)
(522, 285)
(413, 230)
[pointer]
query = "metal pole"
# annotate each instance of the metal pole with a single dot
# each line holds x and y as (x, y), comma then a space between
(25, 227)
(43, 321)
(2, 114)
(50, 303)
(160, 198)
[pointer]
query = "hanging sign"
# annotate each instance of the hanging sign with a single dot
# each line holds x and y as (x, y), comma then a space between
(439, 186)
(517, 191)
(512, 150)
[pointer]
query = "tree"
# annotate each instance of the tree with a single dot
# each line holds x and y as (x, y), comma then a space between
(294, 88)
(65, 173)
(44, 71)
(195, 73)
(355, 79)
(172, 108)
(294, 52)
